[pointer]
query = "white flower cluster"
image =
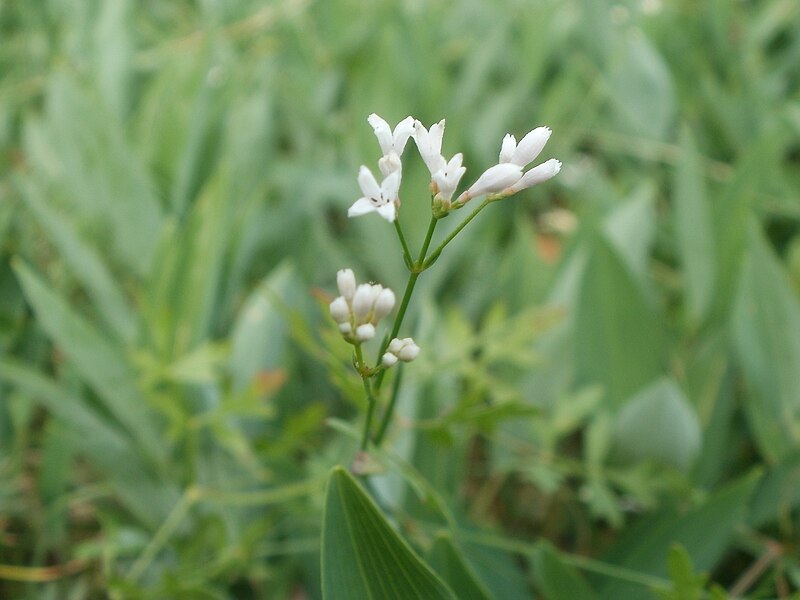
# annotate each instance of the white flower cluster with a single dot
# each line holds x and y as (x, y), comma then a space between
(503, 179)
(360, 307)
(405, 350)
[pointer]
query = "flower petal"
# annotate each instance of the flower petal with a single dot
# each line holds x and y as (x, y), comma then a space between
(537, 174)
(530, 146)
(390, 187)
(402, 132)
(495, 179)
(362, 206)
(368, 183)
(388, 211)
(382, 131)
(507, 149)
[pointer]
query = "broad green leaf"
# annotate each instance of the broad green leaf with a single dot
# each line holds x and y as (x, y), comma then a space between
(705, 531)
(694, 231)
(363, 558)
(766, 322)
(100, 363)
(658, 423)
(450, 563)
(631, 228)
(555, 579)
(619, 339)
(778, 494)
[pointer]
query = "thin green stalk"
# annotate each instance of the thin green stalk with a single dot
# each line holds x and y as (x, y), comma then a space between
(168, 527)
(435, 254)
(387, 415)
(370, 412)
(406, 252)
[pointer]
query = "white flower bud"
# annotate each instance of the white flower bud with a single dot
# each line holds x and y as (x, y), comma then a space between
(365, 332)
(340, 311)
(409, 351)
(494, 179)
(389, 360)
(363, 300)
(347, 283)
(395, 345)
(530, 146)
(345, 328)
(537, 174)
(384, 304)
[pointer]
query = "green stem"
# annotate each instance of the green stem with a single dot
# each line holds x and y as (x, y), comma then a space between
(387, 415)
(406, 252)
(370, 412)
(435, 254)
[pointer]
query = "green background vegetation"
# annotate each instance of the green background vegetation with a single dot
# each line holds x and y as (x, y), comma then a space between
(608, 399)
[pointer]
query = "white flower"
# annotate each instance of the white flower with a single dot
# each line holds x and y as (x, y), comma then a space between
(506, 177)
(448, 177)
(405, 350)
(378, 198)
(429, 144)
(392, 143)
(384, 304)
(363, 301)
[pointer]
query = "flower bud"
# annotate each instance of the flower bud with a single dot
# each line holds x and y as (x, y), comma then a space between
(409, 351)
(365, 332)
(339, 310)
(494, 179)
(395, 345)
(345, 328)
(537, 174)
(389, 360)
(347, 283)
(531, 146)
(363, 300)
(384, 304)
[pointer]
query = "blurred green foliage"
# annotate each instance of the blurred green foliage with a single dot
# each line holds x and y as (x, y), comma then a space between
(609, 400)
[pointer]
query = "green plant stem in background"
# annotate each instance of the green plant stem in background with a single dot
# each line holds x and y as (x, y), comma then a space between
(406, 252)
(435, 254)
(387, 415)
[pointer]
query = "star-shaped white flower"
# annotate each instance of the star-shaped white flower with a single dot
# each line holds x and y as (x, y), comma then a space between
(392, 143)
(377, 198)
(448, 177)
(429, 144)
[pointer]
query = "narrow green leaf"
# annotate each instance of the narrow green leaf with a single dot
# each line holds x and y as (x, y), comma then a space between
(449, 561)
(100, 363)
(766, 322)
(363, 558)
(557, 580)
(694, 231)
(86, 265)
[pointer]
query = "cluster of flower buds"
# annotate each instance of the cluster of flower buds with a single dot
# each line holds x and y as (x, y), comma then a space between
(360, 307)
(503, 179)
(405, 350)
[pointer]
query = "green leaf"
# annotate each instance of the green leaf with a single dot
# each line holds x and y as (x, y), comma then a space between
(766, 322)
(557, 580)
(659, 423)
(363, 557)
(705, 531)
(694, 231)
(86, 265)
(618, 331)
(100, 362)
(449, 561)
